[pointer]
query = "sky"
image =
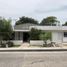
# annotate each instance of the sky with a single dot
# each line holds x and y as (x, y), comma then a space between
(37, 9)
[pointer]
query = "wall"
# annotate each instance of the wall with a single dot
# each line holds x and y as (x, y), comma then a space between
(17, 42)
(36, 42)
(57, 37)
(32, 42)
(65, 39)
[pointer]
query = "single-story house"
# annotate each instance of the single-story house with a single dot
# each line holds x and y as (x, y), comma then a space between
(22, 33)
(59, 33)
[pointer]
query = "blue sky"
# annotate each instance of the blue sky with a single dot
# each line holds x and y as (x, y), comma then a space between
(37, 9)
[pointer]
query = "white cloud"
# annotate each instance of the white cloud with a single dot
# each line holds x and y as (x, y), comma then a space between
(37, 9)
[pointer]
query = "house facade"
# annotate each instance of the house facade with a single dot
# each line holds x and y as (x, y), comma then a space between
(22, 32)
(59, 33)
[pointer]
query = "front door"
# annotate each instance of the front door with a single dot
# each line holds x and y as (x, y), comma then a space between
(26, 37)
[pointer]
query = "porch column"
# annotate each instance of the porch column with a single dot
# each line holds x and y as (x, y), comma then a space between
(21, 35)
(16, 35)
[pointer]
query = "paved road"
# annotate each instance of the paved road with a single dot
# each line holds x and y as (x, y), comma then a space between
(33, 59)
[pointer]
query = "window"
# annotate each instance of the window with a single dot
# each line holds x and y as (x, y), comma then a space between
(65, 34)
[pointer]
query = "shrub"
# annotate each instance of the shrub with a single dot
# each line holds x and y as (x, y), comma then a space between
(47, 45)
(10, 44)
(3, 45)
(34, 34)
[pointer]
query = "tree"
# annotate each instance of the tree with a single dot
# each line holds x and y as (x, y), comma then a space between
(5, 29)
(45, 36)
(26, 20)
(34, 34)
(49, 20)
(65, 24)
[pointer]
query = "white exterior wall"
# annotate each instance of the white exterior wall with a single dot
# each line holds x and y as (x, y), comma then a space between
(17, 42)
(65, 39)
(36, 42)
(57, 37)
(50, 28)
(32, 42)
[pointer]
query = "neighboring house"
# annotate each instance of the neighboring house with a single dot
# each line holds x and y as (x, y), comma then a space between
(59, 33)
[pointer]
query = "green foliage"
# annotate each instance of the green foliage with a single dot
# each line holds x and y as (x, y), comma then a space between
(39, 35)
(10, 44)
(34, 34)
(3, 45)
(26, 20)
(65, 24)
(49, 21)
(5, 29)
(45, 36)
(42, 36)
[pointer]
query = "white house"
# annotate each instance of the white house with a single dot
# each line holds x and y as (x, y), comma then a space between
(59, 33)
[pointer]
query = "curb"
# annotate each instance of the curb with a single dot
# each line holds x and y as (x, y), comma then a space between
(31, 49)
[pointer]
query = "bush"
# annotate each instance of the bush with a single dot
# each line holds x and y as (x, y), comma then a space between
(3, 45)
(10, 44)
(34, 34)
(47, 45)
